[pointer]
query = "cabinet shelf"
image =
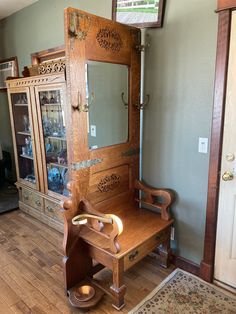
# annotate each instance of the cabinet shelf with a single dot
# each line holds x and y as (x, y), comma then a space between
(56, 138)
(49, 105)
(21, 105)
(55, 164)
(24, 133)
(27, 157)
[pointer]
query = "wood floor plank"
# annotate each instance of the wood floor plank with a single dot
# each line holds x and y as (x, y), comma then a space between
(31, 276)
(7, 293)
(4, 308)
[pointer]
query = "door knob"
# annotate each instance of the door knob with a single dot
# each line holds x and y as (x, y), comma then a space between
(228, 176)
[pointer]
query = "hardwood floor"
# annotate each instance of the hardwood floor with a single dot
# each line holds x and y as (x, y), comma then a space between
(31, 279)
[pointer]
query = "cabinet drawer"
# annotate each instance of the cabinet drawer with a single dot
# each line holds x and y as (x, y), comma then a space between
(141, 251)
(37, 202)
(32, 199)
(53, 210)
(26, 197)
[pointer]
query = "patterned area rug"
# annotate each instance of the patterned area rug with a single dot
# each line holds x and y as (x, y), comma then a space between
(183, 293)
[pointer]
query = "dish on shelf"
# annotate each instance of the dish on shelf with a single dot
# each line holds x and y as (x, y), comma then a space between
(30, 178)
(65, 180)
(54, 180)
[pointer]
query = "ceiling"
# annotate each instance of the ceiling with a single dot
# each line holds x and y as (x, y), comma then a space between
(8, 7)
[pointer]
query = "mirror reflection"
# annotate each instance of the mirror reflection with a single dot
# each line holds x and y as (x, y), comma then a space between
(107, 98)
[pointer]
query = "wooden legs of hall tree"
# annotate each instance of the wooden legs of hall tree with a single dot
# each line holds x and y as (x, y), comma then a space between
(118, 287)
(78, 270)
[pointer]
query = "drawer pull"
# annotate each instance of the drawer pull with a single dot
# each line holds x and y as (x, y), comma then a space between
(133, 255)
(50, 209)
(38, 203)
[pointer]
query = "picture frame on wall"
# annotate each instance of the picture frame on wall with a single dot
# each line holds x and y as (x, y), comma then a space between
(139, 13)
(8, 69)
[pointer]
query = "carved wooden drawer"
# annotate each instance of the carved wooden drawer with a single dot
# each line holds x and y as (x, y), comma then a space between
(141, 251)
(32, 199)
(26, 197)
(37, 202)
(53, 210)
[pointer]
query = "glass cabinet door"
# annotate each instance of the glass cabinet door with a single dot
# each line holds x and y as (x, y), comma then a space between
(24, 142)
(53, 132)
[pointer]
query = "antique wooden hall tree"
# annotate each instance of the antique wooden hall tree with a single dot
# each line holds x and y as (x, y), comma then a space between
(109, 228)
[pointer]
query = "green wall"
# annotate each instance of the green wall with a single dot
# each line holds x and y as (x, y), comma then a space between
(35, 28)
(179, 78)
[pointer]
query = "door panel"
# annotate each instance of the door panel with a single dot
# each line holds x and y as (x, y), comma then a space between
(225, 258)
(50, 102)
(23, 136)
(103, 78)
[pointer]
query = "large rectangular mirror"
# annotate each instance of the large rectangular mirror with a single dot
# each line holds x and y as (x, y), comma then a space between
(107, 96)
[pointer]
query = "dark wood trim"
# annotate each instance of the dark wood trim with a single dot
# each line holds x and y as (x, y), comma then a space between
(56, 52)
(158, 23)
(185, 264)
(226, 4)
(207, 264)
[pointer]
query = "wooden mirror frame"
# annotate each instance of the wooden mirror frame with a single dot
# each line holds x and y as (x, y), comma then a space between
(158, 23)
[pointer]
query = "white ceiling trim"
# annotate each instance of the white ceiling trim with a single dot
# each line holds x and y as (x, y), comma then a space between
(8, 7)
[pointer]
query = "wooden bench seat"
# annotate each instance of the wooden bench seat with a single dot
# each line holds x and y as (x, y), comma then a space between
(139, 226)
(119, 236)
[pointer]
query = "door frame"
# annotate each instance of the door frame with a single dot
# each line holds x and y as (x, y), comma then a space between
(225, 8)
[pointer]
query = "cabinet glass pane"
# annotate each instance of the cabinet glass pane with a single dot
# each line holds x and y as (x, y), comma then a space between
(54, 133)
(20, 109)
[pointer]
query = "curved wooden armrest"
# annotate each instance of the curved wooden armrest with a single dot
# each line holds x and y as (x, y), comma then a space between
(114, 220)
(158, 198)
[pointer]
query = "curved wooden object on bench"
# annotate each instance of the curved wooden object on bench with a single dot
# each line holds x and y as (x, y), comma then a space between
(84, 219)
(158, 198)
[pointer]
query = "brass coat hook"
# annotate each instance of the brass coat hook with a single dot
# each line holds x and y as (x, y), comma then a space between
(123, 100)
(143, 105)
(83, 107)
(89, 102)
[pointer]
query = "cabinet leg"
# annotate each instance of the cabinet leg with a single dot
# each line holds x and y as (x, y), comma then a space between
(118, 288)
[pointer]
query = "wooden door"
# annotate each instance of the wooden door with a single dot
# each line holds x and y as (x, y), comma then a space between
(106, 169)
(225, 258)
(23, 131)
(51, 111)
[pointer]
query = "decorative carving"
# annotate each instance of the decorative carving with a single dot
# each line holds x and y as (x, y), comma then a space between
(109, 183)
(85, 164)
(35, 80)
(130, 152)
(109, 39)
(79, 25)
(52, 67)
